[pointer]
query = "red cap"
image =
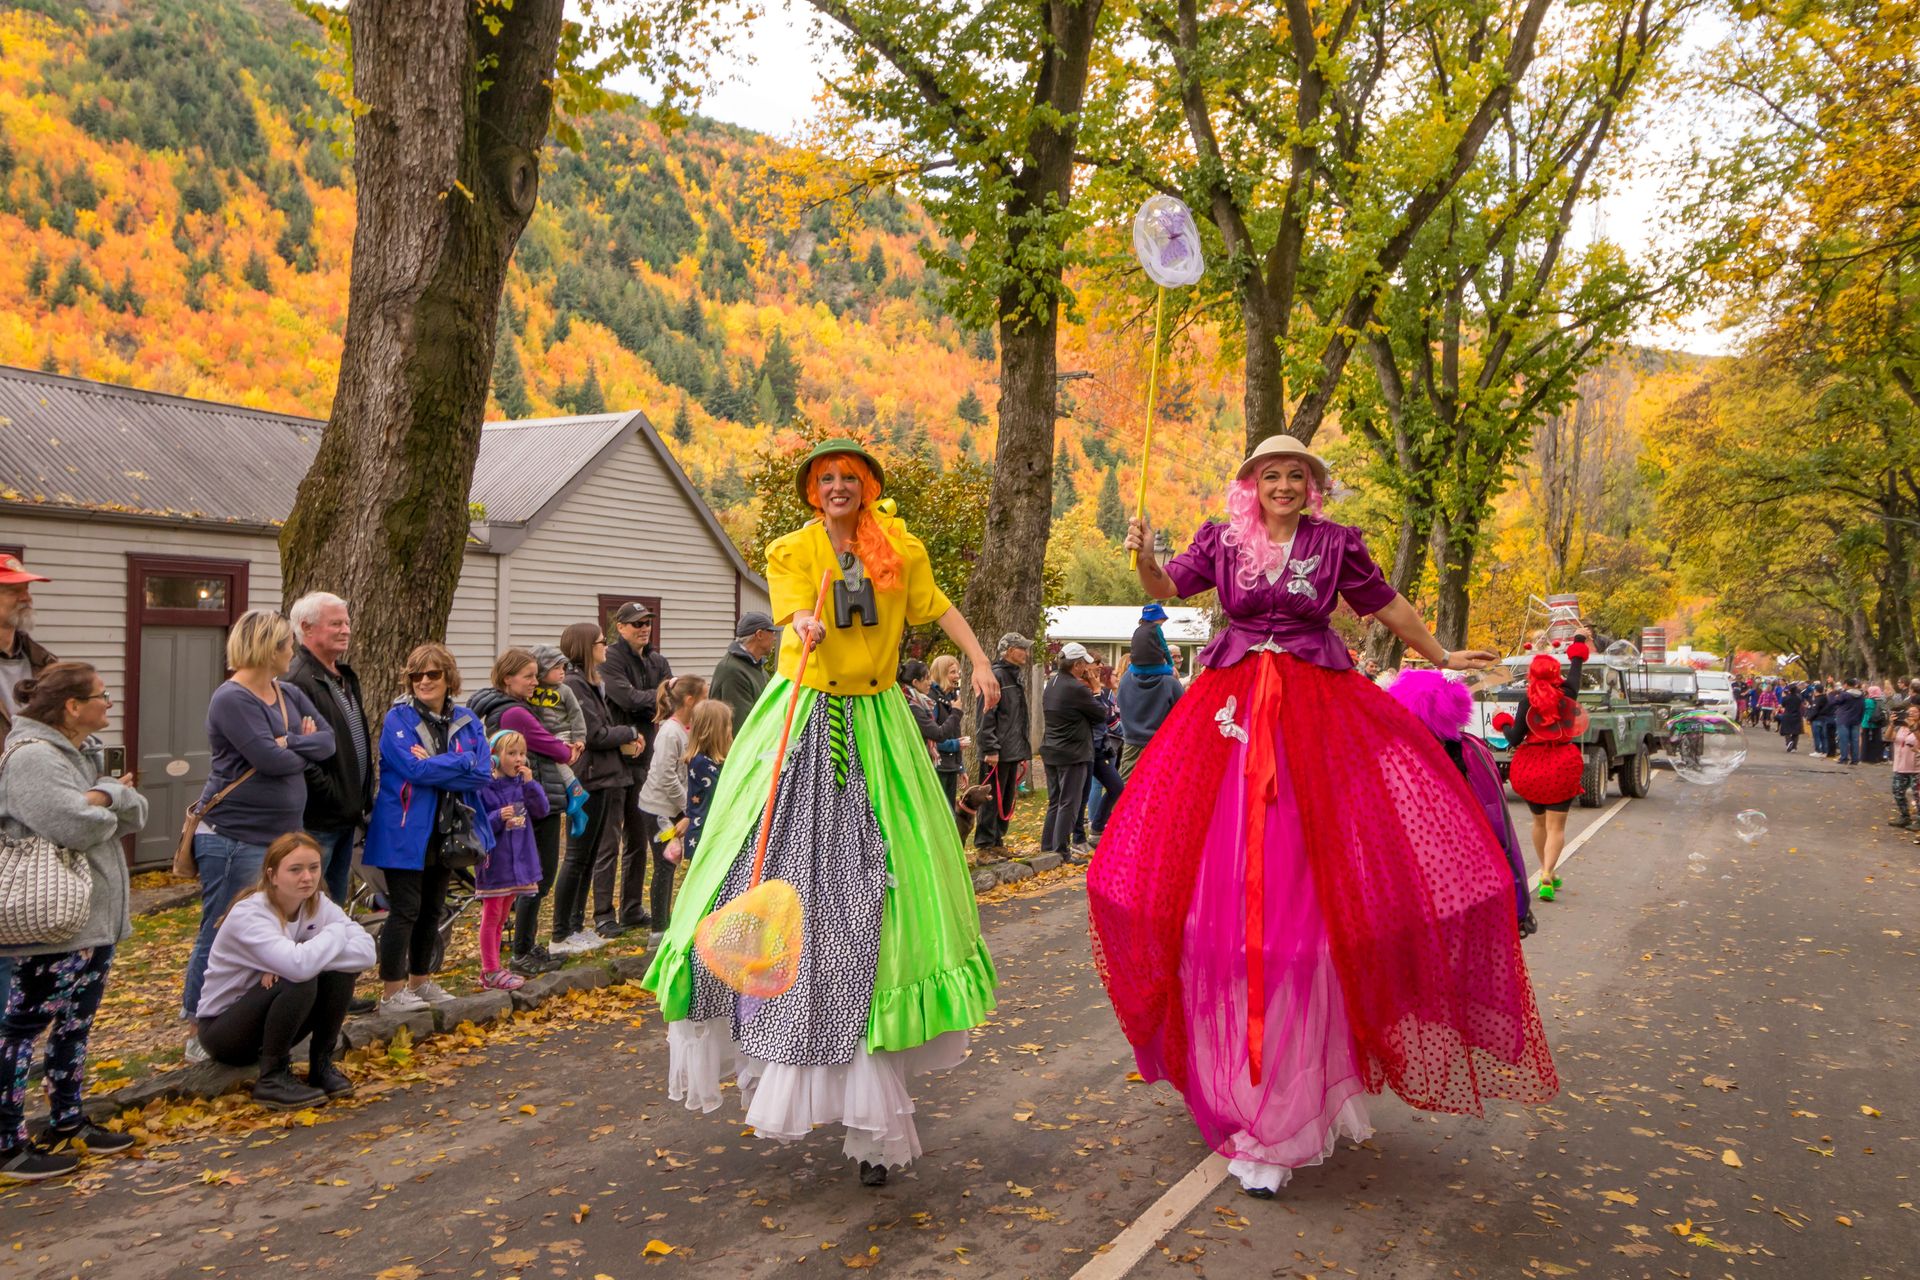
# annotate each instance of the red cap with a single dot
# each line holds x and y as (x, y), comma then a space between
(12, 572)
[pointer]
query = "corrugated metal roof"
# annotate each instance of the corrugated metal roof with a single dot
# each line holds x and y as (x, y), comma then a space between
(512, 491)
(91, 446)
(73, 443)
(66, 442)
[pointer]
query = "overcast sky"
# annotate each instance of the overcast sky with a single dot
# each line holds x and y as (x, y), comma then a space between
(772, 79)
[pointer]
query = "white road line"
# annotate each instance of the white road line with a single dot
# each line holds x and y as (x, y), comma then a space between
(1133, 1244)
(1145, 1231)
(1566, 854)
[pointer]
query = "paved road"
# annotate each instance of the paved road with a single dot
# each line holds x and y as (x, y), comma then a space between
(1720, 1034)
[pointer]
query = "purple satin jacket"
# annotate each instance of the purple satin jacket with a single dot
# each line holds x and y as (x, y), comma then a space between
(1327, 561)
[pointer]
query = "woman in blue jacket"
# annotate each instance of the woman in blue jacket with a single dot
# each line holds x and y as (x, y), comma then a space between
(432, 752)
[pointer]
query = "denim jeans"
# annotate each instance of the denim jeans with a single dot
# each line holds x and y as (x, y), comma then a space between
(227, 869)
(1822, 738)
(1849, 738)
(336, 854)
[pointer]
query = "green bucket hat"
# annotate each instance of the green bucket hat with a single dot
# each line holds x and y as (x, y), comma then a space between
(839, 444)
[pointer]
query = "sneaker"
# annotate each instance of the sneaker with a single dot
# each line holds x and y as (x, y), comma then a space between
(404, 1000)
(584, 941)
(501, 980)
(873, 1175)
(196, 1052)
(610, 930)
(360, 1005)
(28, 1163)
(282, 1091)
(560, 949)
(330, 1080)
(1902, 823)
(433, 993)
(532, 965)
(1546, 891)
(87, 1137)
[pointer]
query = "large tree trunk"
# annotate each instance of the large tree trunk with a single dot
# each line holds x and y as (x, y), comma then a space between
(1005, 592)
(1409, 560)
(447, 173)
(1453, 568)
(1266, 405)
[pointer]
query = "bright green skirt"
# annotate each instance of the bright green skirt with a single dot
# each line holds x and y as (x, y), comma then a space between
(934, 974)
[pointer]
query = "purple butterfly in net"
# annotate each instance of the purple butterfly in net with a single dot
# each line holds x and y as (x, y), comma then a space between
(1167, 242)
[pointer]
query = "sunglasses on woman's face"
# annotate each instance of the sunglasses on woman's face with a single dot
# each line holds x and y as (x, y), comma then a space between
(418, 676)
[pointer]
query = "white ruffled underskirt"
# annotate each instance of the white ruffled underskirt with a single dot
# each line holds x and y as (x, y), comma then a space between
(785, 1103)
(1258, 1173)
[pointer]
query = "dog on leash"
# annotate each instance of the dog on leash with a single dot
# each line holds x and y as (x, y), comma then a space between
(966, 810)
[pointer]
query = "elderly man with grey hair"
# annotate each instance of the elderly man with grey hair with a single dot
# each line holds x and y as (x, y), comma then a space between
(1004, 741)
(340, 788)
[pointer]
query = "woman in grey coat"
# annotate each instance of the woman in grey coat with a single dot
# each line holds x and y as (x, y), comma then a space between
(53, 784)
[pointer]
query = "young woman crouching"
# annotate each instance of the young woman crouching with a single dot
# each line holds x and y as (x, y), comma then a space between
(282, 968)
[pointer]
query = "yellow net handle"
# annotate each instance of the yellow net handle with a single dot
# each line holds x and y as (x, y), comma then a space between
(786, 729)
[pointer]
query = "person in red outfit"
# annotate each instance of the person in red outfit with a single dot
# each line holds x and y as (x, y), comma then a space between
(1546, 766)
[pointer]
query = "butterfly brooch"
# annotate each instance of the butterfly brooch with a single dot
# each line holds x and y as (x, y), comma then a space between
(1224, 719)
(1300, 569)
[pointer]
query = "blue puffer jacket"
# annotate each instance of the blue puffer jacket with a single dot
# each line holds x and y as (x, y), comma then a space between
(410, 787)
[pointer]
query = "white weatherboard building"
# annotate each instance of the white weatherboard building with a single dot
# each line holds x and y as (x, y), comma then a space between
(1106, 630)
(158, 519)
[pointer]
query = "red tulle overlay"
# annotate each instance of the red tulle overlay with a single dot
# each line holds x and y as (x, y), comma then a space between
(1546, 772)
(1334, 854)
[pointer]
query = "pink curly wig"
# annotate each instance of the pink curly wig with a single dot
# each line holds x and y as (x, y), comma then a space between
(1247, 529)
(1443, 705)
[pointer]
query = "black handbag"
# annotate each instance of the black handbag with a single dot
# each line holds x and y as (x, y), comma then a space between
(456, 840)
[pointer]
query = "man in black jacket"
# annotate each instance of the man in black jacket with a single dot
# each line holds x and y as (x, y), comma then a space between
(339, 788)
(1074, 715)
(1003, 739)
(631, 677)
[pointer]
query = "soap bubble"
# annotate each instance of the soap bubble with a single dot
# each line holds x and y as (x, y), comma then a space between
(1621, 655)
(1696, 861)
(1167, 242)
(1750, 824)
(1704, 747)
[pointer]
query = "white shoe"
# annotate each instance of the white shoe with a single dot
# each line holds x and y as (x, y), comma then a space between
(584, 941)
(403, 1001)
(197, 1052)
(561, 948)
(432, 992)
(654, 940)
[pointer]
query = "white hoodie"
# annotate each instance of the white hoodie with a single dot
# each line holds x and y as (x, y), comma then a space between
(254, 941)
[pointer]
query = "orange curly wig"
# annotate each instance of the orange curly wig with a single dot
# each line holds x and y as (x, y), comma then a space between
(881, 558)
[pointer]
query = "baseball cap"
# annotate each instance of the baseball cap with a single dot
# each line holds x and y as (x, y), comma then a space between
(752, 623)
(633, 611)
(12, 572)
(1074, 651)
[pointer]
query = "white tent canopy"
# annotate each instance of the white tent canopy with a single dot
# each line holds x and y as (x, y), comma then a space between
(1115, 623)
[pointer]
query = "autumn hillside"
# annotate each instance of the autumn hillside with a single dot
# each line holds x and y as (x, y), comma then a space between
(178, 217)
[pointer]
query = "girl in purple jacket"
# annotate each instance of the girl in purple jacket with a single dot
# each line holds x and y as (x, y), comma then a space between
(513, 802)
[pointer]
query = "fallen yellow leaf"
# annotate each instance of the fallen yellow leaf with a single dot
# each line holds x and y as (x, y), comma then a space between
(528, 1109)
(406, 1271)
(1731, 1159)
(1620, 1197)
(1866, 1110)
(1843, 1220)
(656, 1249)
(867, 1259)
(1025, 1193)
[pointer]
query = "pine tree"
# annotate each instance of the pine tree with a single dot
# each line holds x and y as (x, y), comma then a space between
(590, 398)
(1109, 514)
(693, 317)
(562, 326)
(37, 272)
(255, 272)
(719, 397)
(970, 410)
(766, 406)
(1065, 496)
(877, 264)
(781, 372)
(983, 345)
(509, 380)
(682, 424)
(967, 453)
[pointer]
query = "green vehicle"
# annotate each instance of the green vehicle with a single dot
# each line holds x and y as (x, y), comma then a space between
(1627, 714)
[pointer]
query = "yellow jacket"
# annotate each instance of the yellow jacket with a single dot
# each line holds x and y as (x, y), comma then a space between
(857, 659)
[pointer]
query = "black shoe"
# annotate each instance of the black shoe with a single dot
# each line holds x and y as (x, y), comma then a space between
(1902, 823)
(873, 1175)
(533, 964)
(361, 1004)
(87, 1137)
(1258, 1193)
(28, 1163)
(279, 1091)
(610, 930)
(641, 921)
(329, 1079)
